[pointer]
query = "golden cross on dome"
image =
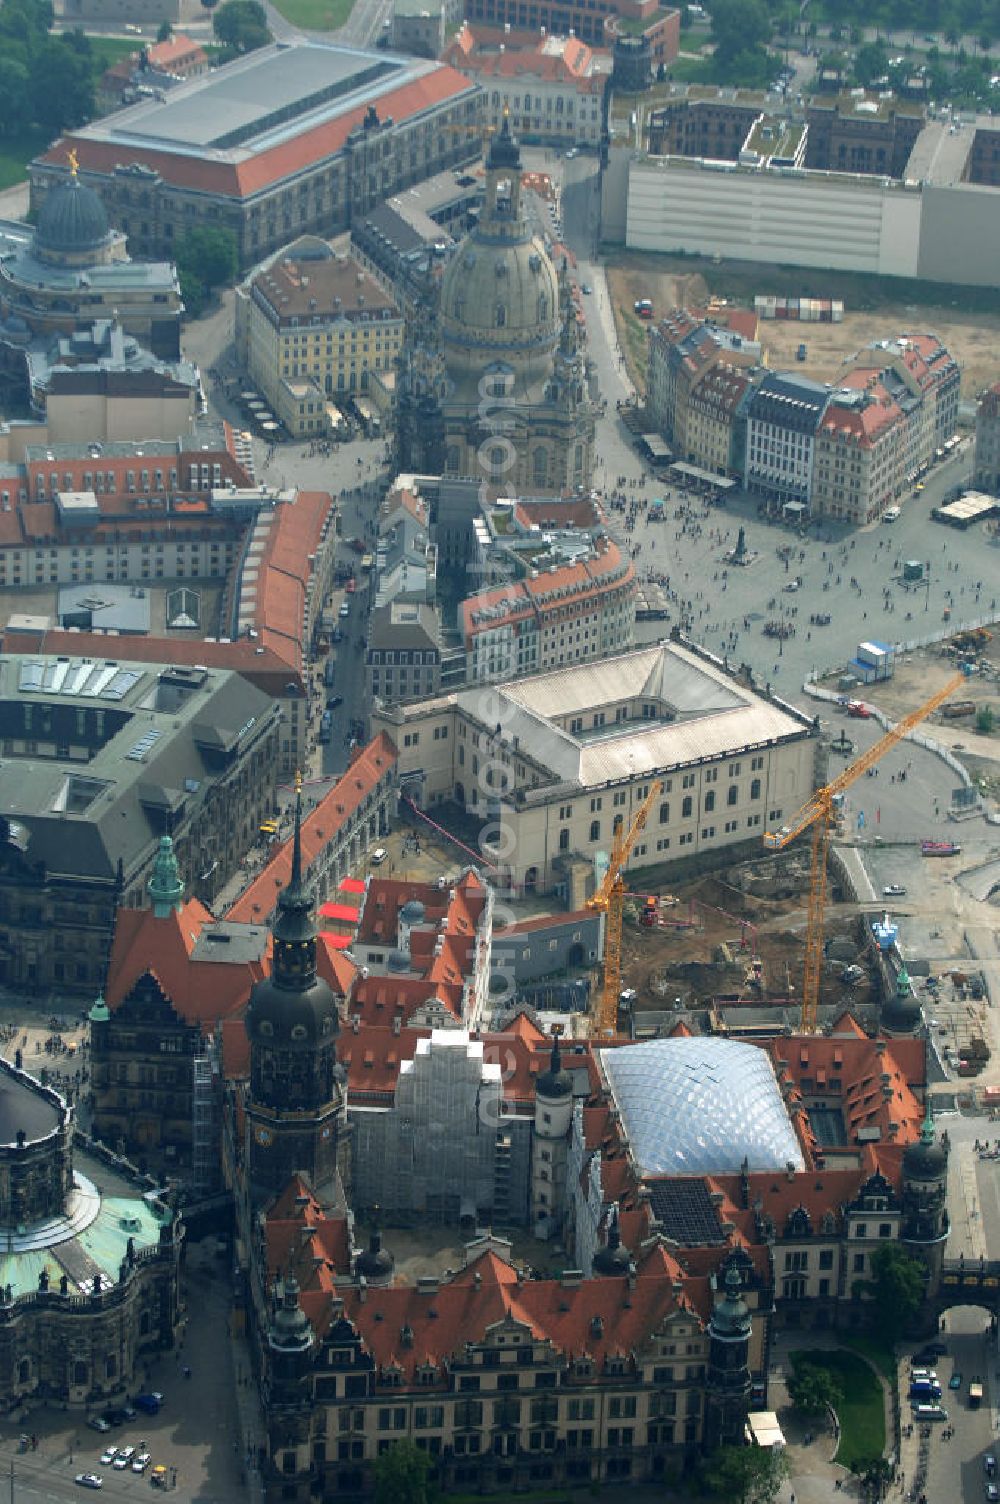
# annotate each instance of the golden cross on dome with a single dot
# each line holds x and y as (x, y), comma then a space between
(74, 161)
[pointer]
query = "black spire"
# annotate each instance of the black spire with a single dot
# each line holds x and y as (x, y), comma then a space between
(615, 1231)
(294, 930)
(555, 1059)
(504, 150)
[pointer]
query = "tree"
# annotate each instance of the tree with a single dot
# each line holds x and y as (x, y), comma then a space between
(812, 1389)
(875, 1475)
(897, 1289)
(241, 25)
(741, 30)
(871, 61)
(750, 1475)
(984, 715)
(164, 32)
(14, 86)
(402, 1475)
(209, 256)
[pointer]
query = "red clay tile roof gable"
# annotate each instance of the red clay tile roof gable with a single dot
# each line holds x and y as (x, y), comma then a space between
(260, 171)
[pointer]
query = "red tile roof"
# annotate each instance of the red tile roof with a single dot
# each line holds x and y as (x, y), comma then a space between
(202, 992)
(240, 179)
(176, 50)
(598, 1318)
(374, 764)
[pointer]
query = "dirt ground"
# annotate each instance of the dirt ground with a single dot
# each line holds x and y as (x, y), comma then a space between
(706, 945)
(972, 337)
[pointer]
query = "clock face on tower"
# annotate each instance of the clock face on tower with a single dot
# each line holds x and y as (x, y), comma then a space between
(263, 1136)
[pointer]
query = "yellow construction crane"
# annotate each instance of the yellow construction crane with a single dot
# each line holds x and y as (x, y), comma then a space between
(610, 901)
(819, 815)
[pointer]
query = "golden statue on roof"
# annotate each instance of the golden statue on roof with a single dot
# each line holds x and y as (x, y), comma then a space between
(73, 160)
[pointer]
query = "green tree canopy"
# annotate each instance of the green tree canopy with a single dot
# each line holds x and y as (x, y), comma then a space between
(748, 1475)
(47, 82)
(812, 1389)
(897, 1289)
(741, 30)
(208, 254)
(402, 1475)
(241, 25)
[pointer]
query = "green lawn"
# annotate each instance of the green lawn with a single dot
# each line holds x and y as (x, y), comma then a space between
(315, 15)
(106, 51)
(15, 154)
(879, 1354)
(690, 70)
(861, 1412)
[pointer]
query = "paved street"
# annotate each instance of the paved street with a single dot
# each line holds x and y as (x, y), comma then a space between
(203, 1429)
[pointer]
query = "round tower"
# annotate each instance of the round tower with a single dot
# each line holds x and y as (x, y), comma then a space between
(613, 1259)
(295, 1107)
(290, 1346)
(165, 886)
(727, 1383)
(924, 1228)
(550, 1144)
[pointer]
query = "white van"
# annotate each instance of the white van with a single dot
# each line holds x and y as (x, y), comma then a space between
(890, 514)
(378, 856)
(929, 1412)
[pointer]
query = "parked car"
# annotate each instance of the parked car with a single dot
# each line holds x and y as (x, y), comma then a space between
(140, 1463)
(333, 701)
(378, 856)
(89, 1480)
(344, 610)
(894, 890)
(98, 1423)
(149, 1403)
(124, 1457)
(108, 1455)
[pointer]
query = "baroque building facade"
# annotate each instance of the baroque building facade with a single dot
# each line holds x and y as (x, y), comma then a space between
(503, 392)
(91, 1288)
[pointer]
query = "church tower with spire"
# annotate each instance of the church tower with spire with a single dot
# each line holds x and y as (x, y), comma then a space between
(296, 1104)
(924, 1229)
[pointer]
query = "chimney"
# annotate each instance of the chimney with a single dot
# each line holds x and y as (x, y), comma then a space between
(571, 1279)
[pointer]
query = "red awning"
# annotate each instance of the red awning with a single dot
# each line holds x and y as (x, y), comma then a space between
(335, 942)
(352, 885)
(346, 911)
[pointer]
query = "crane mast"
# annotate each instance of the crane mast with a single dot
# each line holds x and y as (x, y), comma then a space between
(610, 900)
(817, 816)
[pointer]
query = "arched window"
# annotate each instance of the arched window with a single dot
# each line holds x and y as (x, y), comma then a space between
(543, 307)
(734, 794)
(755, 788)
(500, 318)
(595, 830)
(709, 801)
(686, 807)
(619, 821)
(564, 840)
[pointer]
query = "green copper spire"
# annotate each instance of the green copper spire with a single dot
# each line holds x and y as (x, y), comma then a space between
(927, 1126)
(165, 886)
(99, 1013)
